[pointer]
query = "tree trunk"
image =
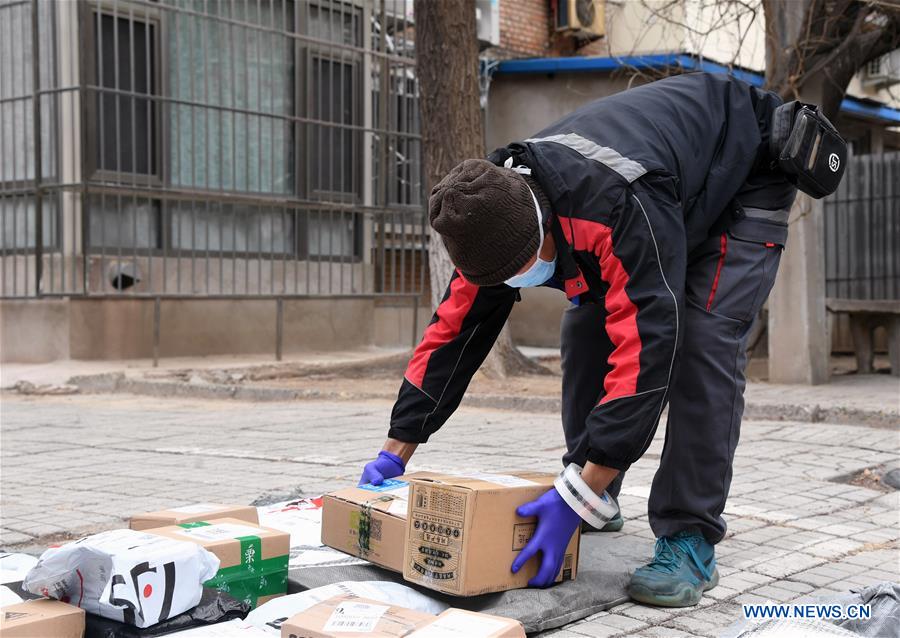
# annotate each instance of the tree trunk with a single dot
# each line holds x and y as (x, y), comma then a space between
(824, 43)
(452, 131)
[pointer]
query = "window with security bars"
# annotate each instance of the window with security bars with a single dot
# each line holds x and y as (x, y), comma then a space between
(124, 139)
(17, 139)
(406, 151)
(332, 104)
(221, 98)
(231, 75)
(123, 125)
(398, 177)
(330, 108)
(248, 126)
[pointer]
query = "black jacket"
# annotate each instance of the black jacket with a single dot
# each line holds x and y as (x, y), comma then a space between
(636, 180)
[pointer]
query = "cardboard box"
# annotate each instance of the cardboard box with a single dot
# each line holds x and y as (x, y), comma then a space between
(369, 521)
(353, 616)
(349, 615)
(192, 514)
(463, 532)
(254, 560)
(42, 617)
(459, 623)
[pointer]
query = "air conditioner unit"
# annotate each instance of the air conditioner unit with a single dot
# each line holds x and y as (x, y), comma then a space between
(883, 71)
(581, 18)
(487, 15)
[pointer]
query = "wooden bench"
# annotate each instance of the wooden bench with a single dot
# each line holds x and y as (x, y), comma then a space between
(866, 315)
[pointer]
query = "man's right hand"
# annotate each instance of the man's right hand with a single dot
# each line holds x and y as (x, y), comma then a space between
(386, 465)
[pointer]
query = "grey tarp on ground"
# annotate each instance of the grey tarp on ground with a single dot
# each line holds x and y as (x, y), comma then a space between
(782, 627)
(604, 567)
(884, 601)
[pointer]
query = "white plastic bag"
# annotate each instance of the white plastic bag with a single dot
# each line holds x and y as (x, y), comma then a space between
(302, 519)
(270, 616)
(229, 629)
(125, 575)
(13, 567)
(8, 597)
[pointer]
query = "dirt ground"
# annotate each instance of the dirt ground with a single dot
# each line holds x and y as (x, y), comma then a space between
(385, 378)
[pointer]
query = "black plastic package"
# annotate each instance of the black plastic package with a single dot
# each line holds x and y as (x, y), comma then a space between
(214, 607)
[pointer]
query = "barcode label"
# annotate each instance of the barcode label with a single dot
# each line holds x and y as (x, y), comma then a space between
(355, 617)
(375, 529)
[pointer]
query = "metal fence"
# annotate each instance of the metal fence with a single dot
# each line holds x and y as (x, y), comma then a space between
(862, 230)
(211, 148)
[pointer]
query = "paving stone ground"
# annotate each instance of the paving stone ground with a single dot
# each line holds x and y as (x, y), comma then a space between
(75, 464)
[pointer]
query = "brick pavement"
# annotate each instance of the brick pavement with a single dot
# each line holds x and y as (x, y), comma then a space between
(80, 463)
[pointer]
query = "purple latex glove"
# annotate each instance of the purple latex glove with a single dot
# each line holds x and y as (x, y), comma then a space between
(385, 466)
(555, 526)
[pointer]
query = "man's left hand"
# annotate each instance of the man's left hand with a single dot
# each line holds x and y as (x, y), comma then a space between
(556, 524)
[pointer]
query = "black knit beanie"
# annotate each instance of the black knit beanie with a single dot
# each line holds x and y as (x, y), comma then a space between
(485, 215)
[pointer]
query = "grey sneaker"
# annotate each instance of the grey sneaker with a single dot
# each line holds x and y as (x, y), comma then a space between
(683, 567)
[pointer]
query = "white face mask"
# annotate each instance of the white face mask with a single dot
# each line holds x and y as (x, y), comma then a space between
(541, 271)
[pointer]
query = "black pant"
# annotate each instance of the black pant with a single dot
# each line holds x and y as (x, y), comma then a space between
(727, 280)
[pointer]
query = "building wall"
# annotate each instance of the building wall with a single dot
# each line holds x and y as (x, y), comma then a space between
(42, 330)
(519, 106)
(633, 29)
(34, 331)
(725, 32)
(525, 29)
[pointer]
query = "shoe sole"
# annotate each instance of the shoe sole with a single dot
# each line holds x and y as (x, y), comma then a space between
(687, 596)
(611, 526)
(614, 525)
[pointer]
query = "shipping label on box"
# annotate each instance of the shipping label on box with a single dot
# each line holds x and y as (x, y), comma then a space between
(463, 532)
(369, 521)
(192, 514)
(254, 560)
(302, 519)
(458, 623)
(348, 615)
(41, 617)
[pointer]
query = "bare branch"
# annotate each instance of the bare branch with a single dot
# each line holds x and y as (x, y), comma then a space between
(826, 40)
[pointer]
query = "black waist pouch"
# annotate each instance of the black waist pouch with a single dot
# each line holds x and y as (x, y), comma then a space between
(808, 148)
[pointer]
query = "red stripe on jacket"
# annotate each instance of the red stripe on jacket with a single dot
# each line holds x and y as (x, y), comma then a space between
(621, 320)
(451, 314)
